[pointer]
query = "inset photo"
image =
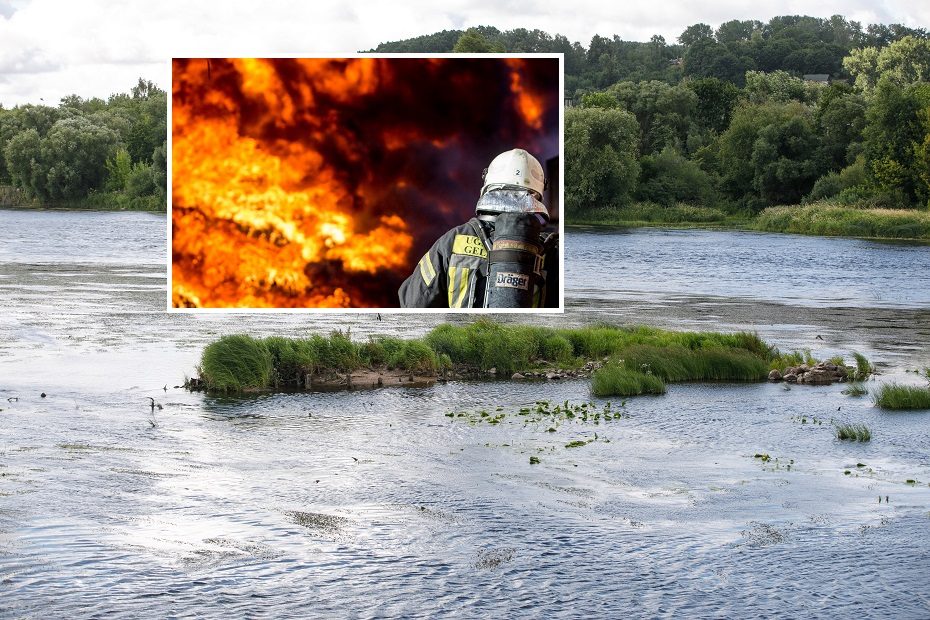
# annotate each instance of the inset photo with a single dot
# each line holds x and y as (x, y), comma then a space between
(379, 182)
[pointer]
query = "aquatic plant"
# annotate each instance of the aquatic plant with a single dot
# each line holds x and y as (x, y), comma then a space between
(485, 344)
(649, 356)
(856, 389)
(412, 355)
(544, 411)
(578, 443)
(825, 218)
(235, 363)
(677, 363)
(852, 432)
(780, 361)
(615, 380)
(649, 213)
(864, 367)
(901, 397)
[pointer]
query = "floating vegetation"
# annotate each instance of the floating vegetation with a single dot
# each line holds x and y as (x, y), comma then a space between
(895, 396)
(853, 432)
(544, 413)
(773, 463)
(578, 443)
(807, 419)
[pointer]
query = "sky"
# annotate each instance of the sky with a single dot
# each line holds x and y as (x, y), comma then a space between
(92, 48)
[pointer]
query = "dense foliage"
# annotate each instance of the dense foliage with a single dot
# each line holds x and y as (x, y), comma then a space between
(92, 153)
(742, 118)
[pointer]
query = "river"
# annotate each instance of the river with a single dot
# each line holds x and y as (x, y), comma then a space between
(374, 503)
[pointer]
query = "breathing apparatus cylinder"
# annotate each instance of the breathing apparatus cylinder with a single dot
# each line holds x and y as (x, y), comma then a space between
(514, 261)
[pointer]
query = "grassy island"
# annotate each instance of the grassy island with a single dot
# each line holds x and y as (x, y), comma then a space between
(622, 361)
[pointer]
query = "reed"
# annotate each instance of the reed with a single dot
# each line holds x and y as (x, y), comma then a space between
(897, 397)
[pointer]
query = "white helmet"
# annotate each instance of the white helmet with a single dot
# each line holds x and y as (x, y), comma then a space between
(515, 169)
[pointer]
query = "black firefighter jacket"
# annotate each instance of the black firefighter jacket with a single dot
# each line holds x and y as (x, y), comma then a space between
(454, 272)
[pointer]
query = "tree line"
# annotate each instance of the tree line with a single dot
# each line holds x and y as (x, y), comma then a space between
(776, 140)
(793, 43)
(746, 116)
(88, 152)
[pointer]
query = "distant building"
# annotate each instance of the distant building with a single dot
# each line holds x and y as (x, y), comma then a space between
(676, 62)
(817, 78)
(569, 102)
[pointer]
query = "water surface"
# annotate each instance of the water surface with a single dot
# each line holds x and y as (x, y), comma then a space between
(375, 503)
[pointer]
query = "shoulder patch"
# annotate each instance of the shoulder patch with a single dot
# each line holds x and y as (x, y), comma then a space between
(469, 245)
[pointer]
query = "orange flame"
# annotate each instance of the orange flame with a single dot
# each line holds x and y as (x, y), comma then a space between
(251, 215)
(288, 192)
(530, 105)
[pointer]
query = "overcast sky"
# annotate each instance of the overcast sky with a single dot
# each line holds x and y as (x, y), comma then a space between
(52, 48)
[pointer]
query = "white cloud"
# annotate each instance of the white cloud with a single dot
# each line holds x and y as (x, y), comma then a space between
(52, 48)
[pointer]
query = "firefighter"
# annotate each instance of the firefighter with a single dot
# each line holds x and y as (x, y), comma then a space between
(500, 258)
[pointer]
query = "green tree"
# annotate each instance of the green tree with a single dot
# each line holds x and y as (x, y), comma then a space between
(473, 42)
(895, 133)
(601, 165)
(715, 102)
(778, 86)
(22, 155)
(599, 100)
(160, 170)
(905, 61)
(769, 154)
(737, 31)
(862, 65)
(707, 58)
(663, 112)
(19, 119)
(695, 34)
(74, 156)
(119, 167)
(669, 178)
(840, 119)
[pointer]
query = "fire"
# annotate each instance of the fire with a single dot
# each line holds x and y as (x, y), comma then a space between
(530, 104)
(300, 182)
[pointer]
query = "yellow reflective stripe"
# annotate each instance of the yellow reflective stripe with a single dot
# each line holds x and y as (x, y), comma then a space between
(457, 293)
(469, 245)
(463, 287)
(452, 272)
(426, 269)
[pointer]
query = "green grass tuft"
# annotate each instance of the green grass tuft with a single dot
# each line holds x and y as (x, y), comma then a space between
(902, 397)
(853, 432)
(676, 363)
(615, 380)
(864, 367)
(236, 363)
(856, 389)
